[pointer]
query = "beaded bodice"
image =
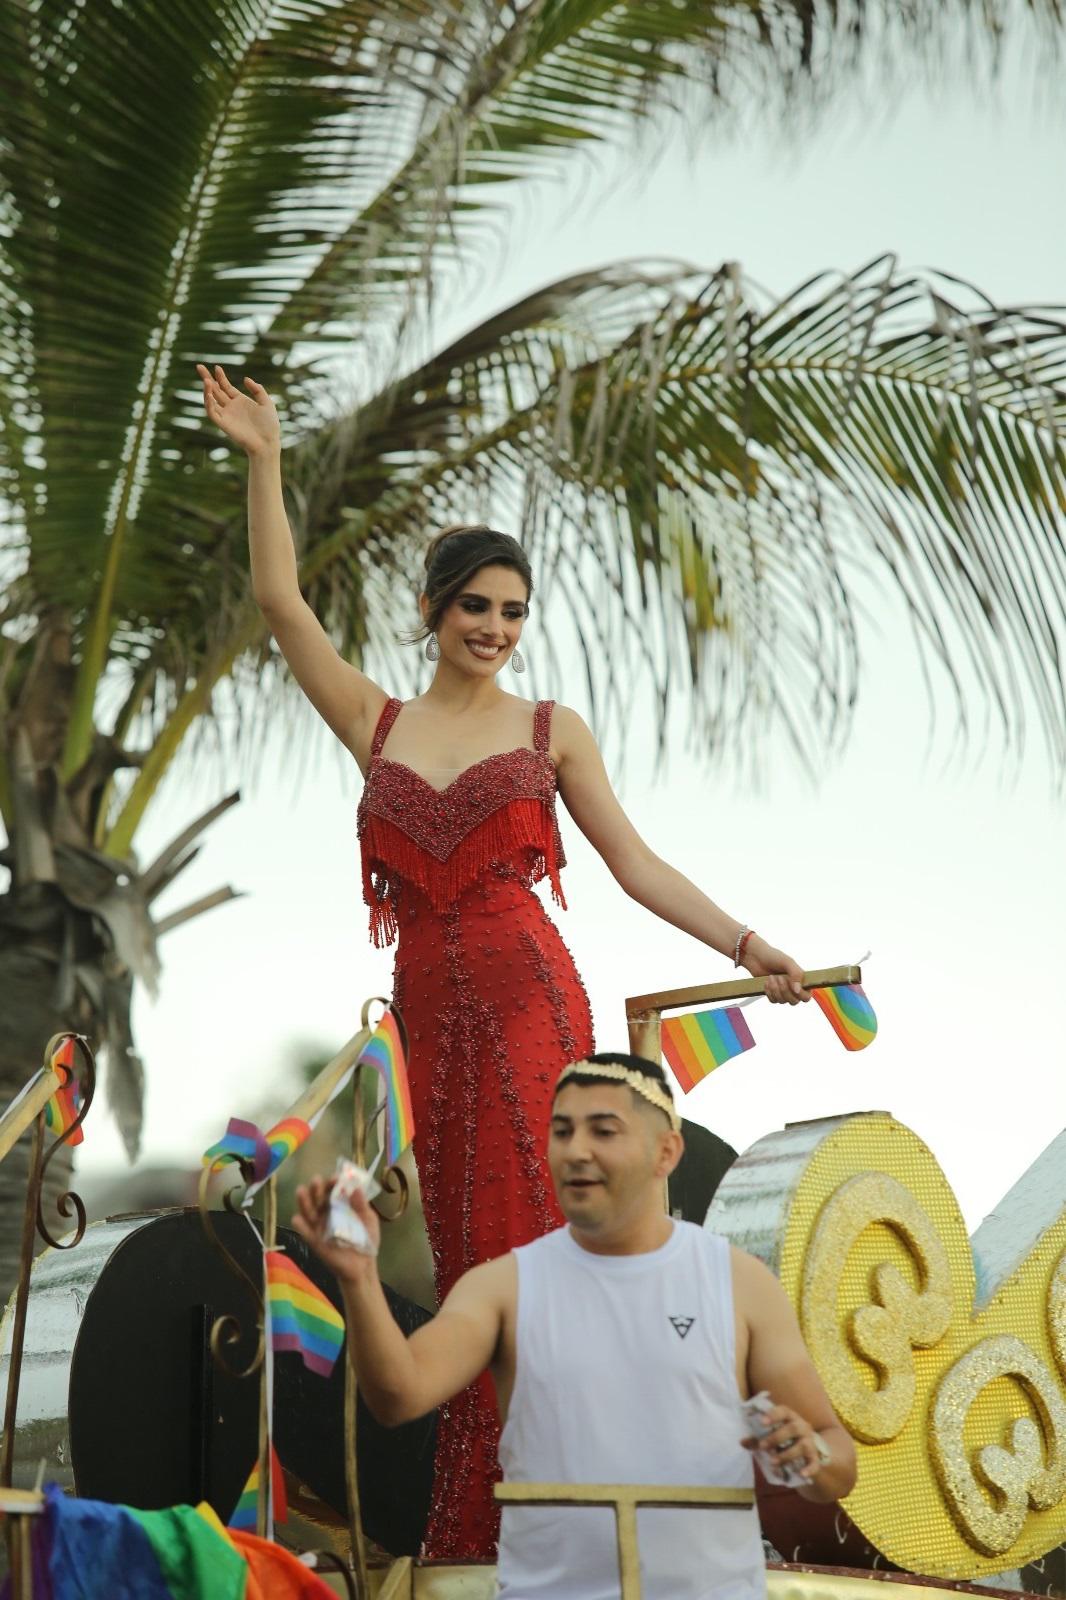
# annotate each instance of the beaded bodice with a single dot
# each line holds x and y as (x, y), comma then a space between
(500, 812)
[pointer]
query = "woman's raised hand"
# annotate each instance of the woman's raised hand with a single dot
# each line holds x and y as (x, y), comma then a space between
(784, 977)
(250, 420)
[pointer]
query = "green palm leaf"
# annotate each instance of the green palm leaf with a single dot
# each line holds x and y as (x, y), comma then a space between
(726, 463)
(229, 118)
(519, 88)
(258, 175)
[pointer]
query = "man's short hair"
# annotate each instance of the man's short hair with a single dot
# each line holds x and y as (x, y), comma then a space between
(656, 1093)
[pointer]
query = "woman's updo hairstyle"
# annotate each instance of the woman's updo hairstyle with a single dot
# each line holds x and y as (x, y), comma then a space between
(455, 554)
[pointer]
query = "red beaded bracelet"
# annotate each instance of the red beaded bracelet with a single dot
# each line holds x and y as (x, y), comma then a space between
(742, 940)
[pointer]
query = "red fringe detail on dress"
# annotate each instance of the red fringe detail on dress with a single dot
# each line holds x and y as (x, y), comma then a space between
(391, 858)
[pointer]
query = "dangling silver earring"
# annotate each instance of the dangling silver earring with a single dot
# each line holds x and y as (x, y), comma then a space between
(432, 648)
(517, 660)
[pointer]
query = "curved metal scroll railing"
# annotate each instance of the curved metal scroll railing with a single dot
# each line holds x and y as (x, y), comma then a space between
(227, 1331)
(26, 1112)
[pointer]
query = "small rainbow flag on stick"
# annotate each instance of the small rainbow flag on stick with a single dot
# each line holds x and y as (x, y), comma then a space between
(244, 1512)
(384, 1051)
(287, 1136)
(699, 1041)
(850, 1014)
(241, 1141)
(61, 1112)
(301, 1317)
(264, 1152)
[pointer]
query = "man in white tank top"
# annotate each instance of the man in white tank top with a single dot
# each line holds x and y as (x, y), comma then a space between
(621, 1347)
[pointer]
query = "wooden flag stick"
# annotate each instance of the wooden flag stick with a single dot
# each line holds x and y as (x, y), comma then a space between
(644, 1011)
(732, 989)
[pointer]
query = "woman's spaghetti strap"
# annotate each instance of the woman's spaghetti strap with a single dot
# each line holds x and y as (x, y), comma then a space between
(385, 721)
(542, 725)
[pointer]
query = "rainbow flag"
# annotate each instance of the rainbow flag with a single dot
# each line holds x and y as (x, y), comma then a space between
(850, 1014)
(264, 1153)
(242, 1141)
(301, 1317)
(384, 1051)
(287, 1136)
(244, 1512)
(61, 1112)
(699, 1041)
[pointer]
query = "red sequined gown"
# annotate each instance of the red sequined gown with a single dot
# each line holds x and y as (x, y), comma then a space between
(494, 1010)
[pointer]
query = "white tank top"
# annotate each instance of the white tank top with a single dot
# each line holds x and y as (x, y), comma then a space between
(626, 1373)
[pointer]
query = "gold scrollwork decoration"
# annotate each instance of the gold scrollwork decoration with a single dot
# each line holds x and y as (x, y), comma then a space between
(945, 1356)
(991, 1489)
(395, 1184)
(883, 1333)
(226, 1330)
(68, 1203)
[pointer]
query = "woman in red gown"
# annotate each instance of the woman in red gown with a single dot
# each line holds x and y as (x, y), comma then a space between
(494, 1009)
(457, 824)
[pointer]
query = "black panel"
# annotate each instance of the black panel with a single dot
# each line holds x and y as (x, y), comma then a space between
(154, 1423)
(701, 1169)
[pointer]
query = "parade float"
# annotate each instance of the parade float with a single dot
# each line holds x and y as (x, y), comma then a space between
(183, 1364)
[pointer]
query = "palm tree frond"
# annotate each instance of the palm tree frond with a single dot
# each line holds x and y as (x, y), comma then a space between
(731, 465)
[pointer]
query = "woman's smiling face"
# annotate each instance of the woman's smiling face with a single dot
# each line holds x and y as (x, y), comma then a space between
(480, 628)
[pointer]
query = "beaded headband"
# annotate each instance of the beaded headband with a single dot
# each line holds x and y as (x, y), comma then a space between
(645, 1087)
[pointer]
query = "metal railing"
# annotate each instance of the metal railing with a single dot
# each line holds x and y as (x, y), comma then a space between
(27, 1111)
(226, 1330)
(625, 1499)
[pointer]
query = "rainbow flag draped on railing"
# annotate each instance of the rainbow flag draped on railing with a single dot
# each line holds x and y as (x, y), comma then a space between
(263, 1152)
(61, 1112)
(384, 1051)
(301, 1316)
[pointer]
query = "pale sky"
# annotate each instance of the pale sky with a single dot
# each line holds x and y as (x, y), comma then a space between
(954, 881)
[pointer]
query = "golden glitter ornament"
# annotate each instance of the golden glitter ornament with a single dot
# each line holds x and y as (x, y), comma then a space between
(946, 1360)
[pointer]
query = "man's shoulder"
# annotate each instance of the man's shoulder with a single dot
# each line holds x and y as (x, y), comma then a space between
(696, 1237)
(557, 1239)
(755, 1285)
(491, 1283)
(494, 1274)
(748, 1265)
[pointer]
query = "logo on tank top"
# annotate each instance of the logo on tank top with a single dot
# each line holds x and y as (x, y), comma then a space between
(681, 1325)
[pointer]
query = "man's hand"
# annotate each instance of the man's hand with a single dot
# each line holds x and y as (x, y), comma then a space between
(311, 1222)
(790, 1441)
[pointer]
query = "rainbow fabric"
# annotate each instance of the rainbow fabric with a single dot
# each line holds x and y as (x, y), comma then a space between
(699, 1041)
(61, 1112)
(850, 1014)
(99, 1551)
(287, 1136)
(263, 1152)
(241, 1141)
(384, 1051)
(244, 1512)
(301, 1317)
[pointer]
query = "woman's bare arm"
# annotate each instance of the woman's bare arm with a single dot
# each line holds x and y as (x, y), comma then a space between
(646, 877)
(344, 697)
